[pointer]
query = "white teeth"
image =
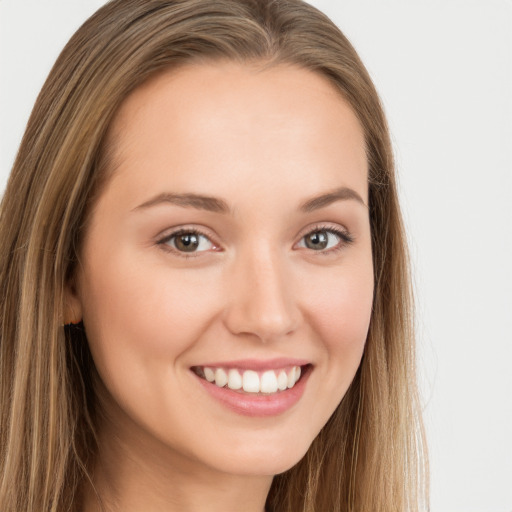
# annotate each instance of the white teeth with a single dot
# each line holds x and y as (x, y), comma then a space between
(209, 374)
(221, 379)
(282, 380)
(268, 382)
(291, 378)
(251, 382)
(234, 379)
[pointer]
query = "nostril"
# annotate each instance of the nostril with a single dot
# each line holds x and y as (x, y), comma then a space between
(266, 327)
(262, 303)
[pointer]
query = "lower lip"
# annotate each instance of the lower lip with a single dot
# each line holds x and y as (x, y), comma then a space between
(249, 404)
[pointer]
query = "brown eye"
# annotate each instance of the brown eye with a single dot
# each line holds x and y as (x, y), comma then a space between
(189, 241)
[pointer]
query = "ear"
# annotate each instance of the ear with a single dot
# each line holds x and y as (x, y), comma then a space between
(72, 304)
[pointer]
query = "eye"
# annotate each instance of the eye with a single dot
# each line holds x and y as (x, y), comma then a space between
(188, 241)
(325, 239)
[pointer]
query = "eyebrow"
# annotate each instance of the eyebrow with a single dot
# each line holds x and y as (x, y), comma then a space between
(217, 205)
(339, 194)
(211, 204)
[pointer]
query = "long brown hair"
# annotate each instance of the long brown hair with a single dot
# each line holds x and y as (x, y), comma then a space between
(371, 455)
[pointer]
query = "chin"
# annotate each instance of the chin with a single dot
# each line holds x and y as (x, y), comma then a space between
(263, 459)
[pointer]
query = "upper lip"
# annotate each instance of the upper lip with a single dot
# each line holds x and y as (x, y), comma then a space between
(257, 364)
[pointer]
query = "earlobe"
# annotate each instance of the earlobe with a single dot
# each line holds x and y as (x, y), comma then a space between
(72, 305)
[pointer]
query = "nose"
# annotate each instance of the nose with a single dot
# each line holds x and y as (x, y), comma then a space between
(261, 298)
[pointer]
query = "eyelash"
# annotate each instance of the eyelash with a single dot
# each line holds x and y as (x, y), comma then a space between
(182, 231)
(344, 236)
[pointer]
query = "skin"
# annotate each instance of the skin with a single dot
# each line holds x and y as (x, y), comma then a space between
(265, 142)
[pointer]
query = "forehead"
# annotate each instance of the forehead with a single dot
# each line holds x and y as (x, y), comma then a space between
(213, 122)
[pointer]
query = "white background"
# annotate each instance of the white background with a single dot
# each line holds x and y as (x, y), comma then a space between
(444, 71)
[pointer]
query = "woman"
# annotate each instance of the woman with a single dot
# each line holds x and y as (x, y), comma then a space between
(205, 294)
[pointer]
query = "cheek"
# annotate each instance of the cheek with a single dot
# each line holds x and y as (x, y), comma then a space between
(141, 316)
(343, 307)
(141, 319)
(146, 308)
(345, 315)
(343, 304)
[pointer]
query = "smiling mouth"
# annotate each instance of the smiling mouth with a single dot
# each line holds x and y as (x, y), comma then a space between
(253, 382)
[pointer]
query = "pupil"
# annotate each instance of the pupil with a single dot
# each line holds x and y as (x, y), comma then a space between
(317, 240)
(187, 243)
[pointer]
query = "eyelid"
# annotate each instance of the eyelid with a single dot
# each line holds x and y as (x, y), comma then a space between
(162, 240)
(346, 238)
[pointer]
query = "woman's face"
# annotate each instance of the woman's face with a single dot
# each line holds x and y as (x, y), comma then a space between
(231, 243)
